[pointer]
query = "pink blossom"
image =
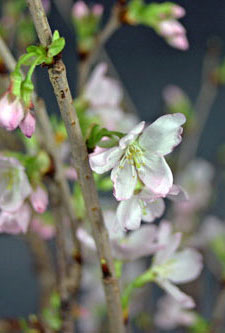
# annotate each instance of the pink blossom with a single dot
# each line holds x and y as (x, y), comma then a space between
(97, 10)
(39, 199)
(145, 206)
(47, 5)
(125, 246)
(140, 154)
(45, 231)
(173, 96)
(80, 10)
(171, 266)
(27, 125)
(71, 173)
(179, 42)
(15, 222)
(11, 112)
(14, 184)
(171, 314)
(102, 90)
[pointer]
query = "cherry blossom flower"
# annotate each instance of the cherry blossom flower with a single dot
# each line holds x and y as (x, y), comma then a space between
(125, 246)
(171, 314)
(15, 222)
(11, 112)
(45, 231)
(39, 199)
(14, 184)
(171, 266)
(140, 154)
(174, 33)
(145, 206)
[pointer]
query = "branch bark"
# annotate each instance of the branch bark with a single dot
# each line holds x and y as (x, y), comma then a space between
(57, 74)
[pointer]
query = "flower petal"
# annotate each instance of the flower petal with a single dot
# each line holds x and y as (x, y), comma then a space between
(186, 266)
(138, 244)
(156, 174)
(124, 178)
(164, 134)
(175, 292)
(106, 160)
(129, 214)
(132, 135)
(153, 210)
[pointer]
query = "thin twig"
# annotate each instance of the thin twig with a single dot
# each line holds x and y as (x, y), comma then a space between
(57, 74)
(207, 95)
(85, 65)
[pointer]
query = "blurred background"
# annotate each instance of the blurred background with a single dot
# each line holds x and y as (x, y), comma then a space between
(146, 65)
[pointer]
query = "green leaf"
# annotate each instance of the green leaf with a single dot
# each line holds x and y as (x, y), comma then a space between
(56, 47)
(55, 35)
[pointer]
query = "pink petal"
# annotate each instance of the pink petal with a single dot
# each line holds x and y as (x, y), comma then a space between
(186, 266)
(27, 125)
(39, 200)
(129, 214)
(156, 174)
(15, 222)
(124, 178)
(175, 292)
(106, 160)
(153, 210)
(164, 134)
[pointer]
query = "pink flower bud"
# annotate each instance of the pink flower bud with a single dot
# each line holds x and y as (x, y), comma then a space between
(39, 200)
(178, 11)
(11, 113)
(27, 125)
(80, 9)
(170, 28)
(97, 10)
(179, 42)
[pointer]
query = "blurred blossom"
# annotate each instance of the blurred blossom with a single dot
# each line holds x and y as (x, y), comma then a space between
(97, 10)
(14, 184)
(173, 96)
(141, 153)
(196, 179)
(171, 266)
(102, 90)
(39, 199)
(80, 9)
(45, 231)
(177, 11)
(125, 246)
(171, 314)
(15, 222)
(174, 33)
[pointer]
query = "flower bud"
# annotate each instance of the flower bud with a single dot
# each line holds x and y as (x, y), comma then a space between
(97, 10)
(80, 10)
(11, 113)
(178, 11)
(39, 200)
(27, 125)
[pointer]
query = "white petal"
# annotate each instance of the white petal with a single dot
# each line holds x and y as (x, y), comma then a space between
(177, 194)
(132, 135)
(175, 292)
(129, 214)
(138, 244)
(86, 238)
(153, 210)
(186, 266)
(156, 174)
(106, 160)
(164, 134)
(168, 250)
(124, 178)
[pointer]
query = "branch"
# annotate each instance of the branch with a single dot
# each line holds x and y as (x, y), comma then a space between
(57, 74)
(111, 26)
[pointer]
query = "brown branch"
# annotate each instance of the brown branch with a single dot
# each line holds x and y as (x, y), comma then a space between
(59, 81)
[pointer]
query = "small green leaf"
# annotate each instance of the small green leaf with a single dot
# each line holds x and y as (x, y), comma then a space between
(38, 50)
(55, 35)
(56, 47)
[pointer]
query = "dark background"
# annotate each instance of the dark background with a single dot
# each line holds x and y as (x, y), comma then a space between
(146, 64)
